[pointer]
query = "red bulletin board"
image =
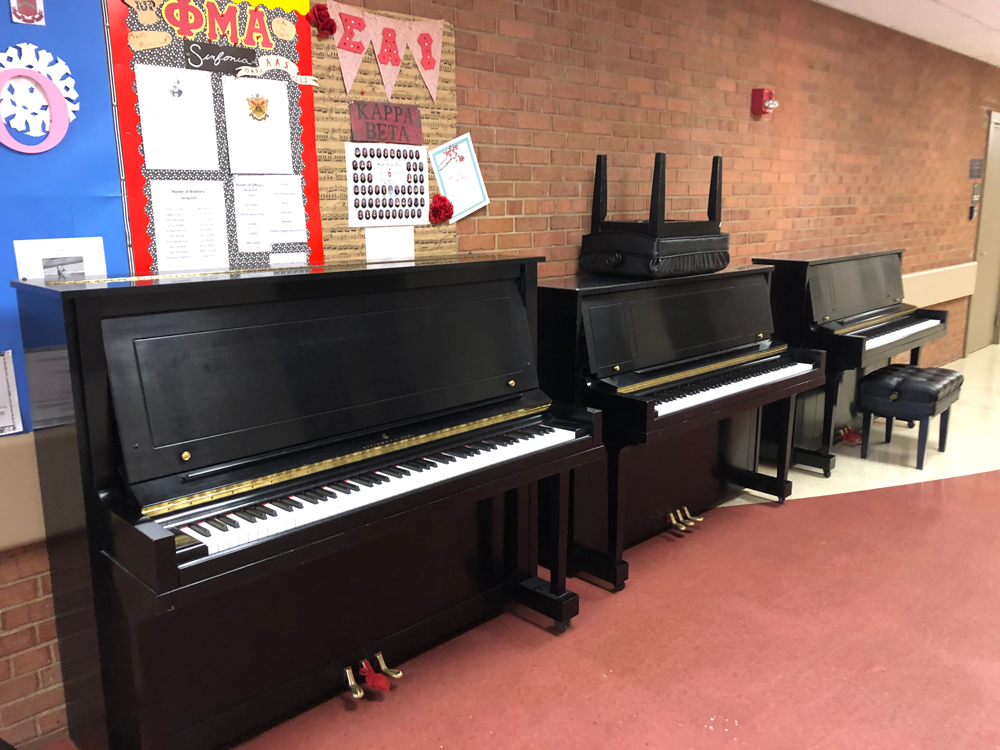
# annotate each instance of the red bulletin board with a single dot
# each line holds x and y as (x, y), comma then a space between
(130, 140)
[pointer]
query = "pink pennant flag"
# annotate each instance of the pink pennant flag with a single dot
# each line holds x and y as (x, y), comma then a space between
(424, 40)
(351, 37)
(389, 38)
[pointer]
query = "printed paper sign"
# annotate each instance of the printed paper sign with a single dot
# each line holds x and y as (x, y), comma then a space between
(10, 411)
(373, 122)
(459, 177)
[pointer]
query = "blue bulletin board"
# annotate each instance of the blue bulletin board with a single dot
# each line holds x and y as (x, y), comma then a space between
(72, 190)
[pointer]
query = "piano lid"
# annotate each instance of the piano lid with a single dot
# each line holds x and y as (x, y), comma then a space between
(637, 325)
(846, 286)
(204, 385)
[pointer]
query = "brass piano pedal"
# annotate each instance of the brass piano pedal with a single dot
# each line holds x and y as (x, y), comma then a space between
(699, 519)
(387, 670)
(357, 692)
(683, 520)
(677, 525)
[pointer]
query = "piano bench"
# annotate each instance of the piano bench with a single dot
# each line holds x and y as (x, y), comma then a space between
(911, 393)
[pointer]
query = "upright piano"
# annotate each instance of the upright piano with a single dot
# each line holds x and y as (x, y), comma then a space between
(679, 368)
(852, 308)
(251, 484)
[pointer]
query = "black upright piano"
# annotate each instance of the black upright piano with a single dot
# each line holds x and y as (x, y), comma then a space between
(680, 368)
(852, 307)
(251, 484)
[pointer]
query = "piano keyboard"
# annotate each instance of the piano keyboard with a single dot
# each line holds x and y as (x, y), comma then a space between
(713, 389)
(900, 333)
(236, 528)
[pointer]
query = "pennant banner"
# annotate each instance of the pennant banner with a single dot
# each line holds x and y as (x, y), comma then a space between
(351, 37)
(389, 39)
(275, 62)
(424, 40)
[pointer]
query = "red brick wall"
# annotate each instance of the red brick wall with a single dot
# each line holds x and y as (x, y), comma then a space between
(868, 150)
(31, 696)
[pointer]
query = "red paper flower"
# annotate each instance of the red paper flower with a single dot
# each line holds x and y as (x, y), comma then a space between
(319, 17)
(441, 209)
(372, 678)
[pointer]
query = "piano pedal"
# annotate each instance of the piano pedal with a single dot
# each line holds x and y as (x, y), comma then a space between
(356, 690)
(677, 525)
(387, 670)
(683, 520)
(373, 679)
(699, 519)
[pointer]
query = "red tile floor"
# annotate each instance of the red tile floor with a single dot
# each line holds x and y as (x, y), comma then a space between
(861, 620)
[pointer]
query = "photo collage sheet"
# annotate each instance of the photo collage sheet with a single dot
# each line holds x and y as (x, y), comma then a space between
(215, 112)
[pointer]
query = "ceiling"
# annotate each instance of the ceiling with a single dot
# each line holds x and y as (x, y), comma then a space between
(971, 27)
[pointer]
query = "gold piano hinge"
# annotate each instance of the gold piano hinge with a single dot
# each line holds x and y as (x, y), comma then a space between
(701, 370)
(302, 471)
(876, 322)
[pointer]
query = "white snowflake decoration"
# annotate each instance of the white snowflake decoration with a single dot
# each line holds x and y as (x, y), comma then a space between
(23, 105)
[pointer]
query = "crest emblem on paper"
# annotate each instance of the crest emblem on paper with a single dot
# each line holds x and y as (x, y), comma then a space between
(258, 107)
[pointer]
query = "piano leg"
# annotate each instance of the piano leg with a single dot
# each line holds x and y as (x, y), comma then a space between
(786, 419)
(550, 598)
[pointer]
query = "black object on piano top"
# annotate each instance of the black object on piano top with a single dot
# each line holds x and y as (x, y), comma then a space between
(852, 307)
(679, 368)
(333, 463)
(659, 248)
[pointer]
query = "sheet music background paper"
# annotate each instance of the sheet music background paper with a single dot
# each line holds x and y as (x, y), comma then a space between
(10, 411)
(333, 128)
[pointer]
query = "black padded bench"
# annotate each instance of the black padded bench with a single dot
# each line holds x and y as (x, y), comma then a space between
(910, 393)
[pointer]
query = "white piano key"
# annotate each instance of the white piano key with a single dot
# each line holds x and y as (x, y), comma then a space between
(887, 338)
(340, 503)
(672, 406)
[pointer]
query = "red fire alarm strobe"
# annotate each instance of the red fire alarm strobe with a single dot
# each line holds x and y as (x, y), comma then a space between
(763, 102)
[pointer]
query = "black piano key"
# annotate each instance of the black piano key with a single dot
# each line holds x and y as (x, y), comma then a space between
(304, 496)
(532, 430)
(229, 521)
(346, 486)
(363, 480)
(318, 494)
(412, 465)
(246, 515)
(472, 449)
(284, 505)
(264, 509)
(256, 513)
(198, 528)
(376, 478)
(292, 501)
(458, 453)
(425, 463)
(444, 457)
(394, 472)
(483, 445)
(216, 524)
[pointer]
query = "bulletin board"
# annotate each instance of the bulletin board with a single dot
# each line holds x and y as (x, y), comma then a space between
(73, 189)
(203, 200)
(438, 117)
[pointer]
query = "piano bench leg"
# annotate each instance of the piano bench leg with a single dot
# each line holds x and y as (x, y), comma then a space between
(943, 434)
(922, 441)
(866, 431)
(888, 429)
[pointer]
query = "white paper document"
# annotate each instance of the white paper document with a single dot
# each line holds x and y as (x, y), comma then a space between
(289, 260)
(65, 259)
(383, 244)
(189, 224)
(269, 211)
(458, 176)
(260, 138)
(10, 411)
(177, 118)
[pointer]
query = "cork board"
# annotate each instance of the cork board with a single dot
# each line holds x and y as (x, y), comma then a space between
(333, 127)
